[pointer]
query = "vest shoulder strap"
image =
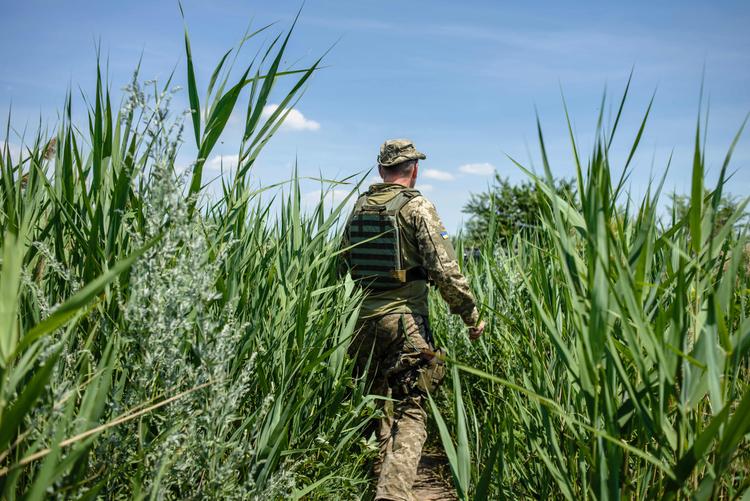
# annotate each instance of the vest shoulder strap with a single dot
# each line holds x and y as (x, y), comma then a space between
(361, 201)
(391, 207)
(394, 205)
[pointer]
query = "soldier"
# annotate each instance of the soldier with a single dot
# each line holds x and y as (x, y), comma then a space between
(397, 242)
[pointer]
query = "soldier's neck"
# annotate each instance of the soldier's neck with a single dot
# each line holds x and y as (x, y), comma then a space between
(403, 181)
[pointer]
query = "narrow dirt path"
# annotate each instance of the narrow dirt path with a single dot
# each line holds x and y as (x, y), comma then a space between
(434, 482)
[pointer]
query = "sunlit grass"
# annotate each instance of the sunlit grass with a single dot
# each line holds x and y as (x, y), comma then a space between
(616, 362)
(160, 343)
(155, 342)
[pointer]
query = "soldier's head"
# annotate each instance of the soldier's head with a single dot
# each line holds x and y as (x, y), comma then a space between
(398, 162)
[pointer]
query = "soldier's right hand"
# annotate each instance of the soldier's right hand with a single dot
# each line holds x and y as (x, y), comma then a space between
(476, 331)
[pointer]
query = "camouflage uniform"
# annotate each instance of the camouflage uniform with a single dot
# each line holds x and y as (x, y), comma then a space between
(394, 337)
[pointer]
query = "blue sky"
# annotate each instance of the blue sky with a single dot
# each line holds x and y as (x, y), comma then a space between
(462, 80)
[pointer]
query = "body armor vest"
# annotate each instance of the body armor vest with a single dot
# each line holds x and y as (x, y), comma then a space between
(376, 258)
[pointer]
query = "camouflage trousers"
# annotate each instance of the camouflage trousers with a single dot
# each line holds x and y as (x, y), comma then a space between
(397, 354)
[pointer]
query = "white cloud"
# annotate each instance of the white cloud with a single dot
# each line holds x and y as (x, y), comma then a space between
(438, 175)
(425, 187)
(295, 120)
(226, 162)
(479, 169)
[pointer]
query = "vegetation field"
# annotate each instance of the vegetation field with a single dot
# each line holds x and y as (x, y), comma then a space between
(159, 341)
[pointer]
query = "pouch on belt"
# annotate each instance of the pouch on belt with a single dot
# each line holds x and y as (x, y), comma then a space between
(433, 372)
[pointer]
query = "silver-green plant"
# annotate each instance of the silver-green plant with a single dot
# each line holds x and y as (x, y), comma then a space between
(198, 349)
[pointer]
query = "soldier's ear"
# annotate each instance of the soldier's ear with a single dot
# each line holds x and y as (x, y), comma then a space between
(380, 171)
(416, 168)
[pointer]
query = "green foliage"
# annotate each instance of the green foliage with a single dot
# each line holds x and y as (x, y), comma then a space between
(728, 206)
(616, 362)
(159, 342)
(507, 209)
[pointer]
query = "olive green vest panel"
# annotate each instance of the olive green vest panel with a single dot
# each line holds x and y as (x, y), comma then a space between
(376, 258)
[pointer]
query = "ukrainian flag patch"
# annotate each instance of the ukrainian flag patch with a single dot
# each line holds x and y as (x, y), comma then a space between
(444, 234)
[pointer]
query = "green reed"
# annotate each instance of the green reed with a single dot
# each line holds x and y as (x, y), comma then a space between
(161, 342)
(157, 341)
(616, 360)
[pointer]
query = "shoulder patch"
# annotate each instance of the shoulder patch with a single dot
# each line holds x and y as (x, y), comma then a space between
(444, 234)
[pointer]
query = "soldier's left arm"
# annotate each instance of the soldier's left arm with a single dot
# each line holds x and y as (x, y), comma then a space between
(439, 259)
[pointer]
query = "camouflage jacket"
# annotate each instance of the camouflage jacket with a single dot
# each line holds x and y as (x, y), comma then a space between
(424, 243)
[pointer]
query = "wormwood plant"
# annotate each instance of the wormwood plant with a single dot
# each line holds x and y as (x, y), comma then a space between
(158, 342)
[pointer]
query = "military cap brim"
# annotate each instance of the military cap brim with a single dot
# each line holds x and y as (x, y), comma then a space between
(403, 158)
(396, 151)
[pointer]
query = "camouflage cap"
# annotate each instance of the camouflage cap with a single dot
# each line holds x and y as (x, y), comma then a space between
(395, 151)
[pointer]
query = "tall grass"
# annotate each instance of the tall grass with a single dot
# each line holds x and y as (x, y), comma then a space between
(616, 360)
(157, 342)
